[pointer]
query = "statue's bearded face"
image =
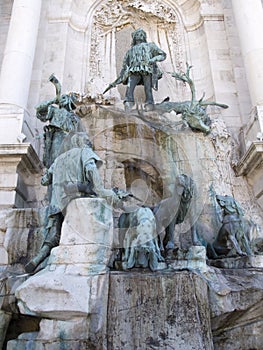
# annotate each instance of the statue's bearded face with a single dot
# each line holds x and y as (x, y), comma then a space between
(139, 37)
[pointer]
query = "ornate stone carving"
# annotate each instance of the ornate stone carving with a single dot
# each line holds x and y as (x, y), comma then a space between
(157, 8)
(111, 14)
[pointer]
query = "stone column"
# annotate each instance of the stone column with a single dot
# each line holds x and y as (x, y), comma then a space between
(249, 21)
(19, 52)
(15, 78)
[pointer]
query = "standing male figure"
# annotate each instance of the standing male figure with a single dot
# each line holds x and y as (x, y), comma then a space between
(140, 68)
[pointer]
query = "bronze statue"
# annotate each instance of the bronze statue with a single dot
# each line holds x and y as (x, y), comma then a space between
(73, 174)
(193, 112)
(173, 210)
(140, 68)
(232, 239)
(59, 112)
(140, 242)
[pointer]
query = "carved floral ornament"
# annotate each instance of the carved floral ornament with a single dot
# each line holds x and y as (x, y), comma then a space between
(117, 14)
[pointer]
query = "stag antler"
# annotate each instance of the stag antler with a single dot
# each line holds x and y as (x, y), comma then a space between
(185, 77)
(207, 103)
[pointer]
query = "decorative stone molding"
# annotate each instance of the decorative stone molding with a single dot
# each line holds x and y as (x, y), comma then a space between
(251, 166)
(251, 160)
(254, 127)
(18, 163)
(105, 23)
(22, 154)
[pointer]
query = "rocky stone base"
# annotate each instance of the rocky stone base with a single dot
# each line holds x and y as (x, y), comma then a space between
(243, 262)
(237, 308)
(245, 337)
(80, 304)
(186, 310)
(57, 335)
(192, 259)
(4, 322)
(23, 344)
(173, 314)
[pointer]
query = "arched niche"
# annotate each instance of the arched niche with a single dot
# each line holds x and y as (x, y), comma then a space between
(109, 37)
(143, 180)
(96, 34)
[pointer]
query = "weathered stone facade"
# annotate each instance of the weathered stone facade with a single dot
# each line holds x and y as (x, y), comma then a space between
(83, 43)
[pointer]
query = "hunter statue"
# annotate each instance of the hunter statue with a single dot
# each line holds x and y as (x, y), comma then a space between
(140, 68)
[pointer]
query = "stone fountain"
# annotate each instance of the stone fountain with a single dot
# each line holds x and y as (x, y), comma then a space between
(129, 263)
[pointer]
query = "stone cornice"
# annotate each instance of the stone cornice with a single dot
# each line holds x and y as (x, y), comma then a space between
(252, 159)
(22, 154)
(214, 17)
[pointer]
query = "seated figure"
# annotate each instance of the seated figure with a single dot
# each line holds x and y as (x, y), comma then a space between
(232, 239)
(73, 174)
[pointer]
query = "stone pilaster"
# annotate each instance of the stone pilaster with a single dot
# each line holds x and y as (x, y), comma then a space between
(249, 21)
